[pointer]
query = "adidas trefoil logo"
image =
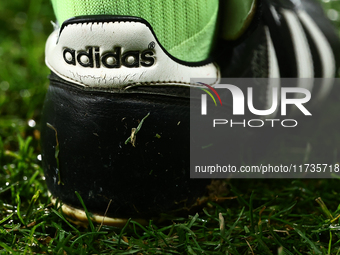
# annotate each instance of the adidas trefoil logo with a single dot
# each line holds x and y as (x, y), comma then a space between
(110, 59)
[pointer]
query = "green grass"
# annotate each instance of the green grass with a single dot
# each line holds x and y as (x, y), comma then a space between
(254, 216)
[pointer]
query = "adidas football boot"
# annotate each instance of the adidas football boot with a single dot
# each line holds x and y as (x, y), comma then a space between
(116, 118)
(115, 122)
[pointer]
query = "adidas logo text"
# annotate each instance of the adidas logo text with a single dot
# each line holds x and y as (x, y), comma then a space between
(111, 59)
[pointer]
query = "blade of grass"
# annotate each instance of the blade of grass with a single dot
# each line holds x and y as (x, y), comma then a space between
(131, 138)
(86, 212)
(87, 234)
(235, 223)
(324, 208)
(18, 210)
(122, 232)
(279, 241)
(239, 196)
(6, 218)
(284, 210)
(63, 218)
(30, 206)
(312, 245)
(7, 248)
(193, 220)
(251, 212)
(263, 245)
(59, 249)
(31, 238)
(297, 251)
(330, 243)
(149, 233)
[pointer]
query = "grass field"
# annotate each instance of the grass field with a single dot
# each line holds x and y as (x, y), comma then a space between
(260, 216)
